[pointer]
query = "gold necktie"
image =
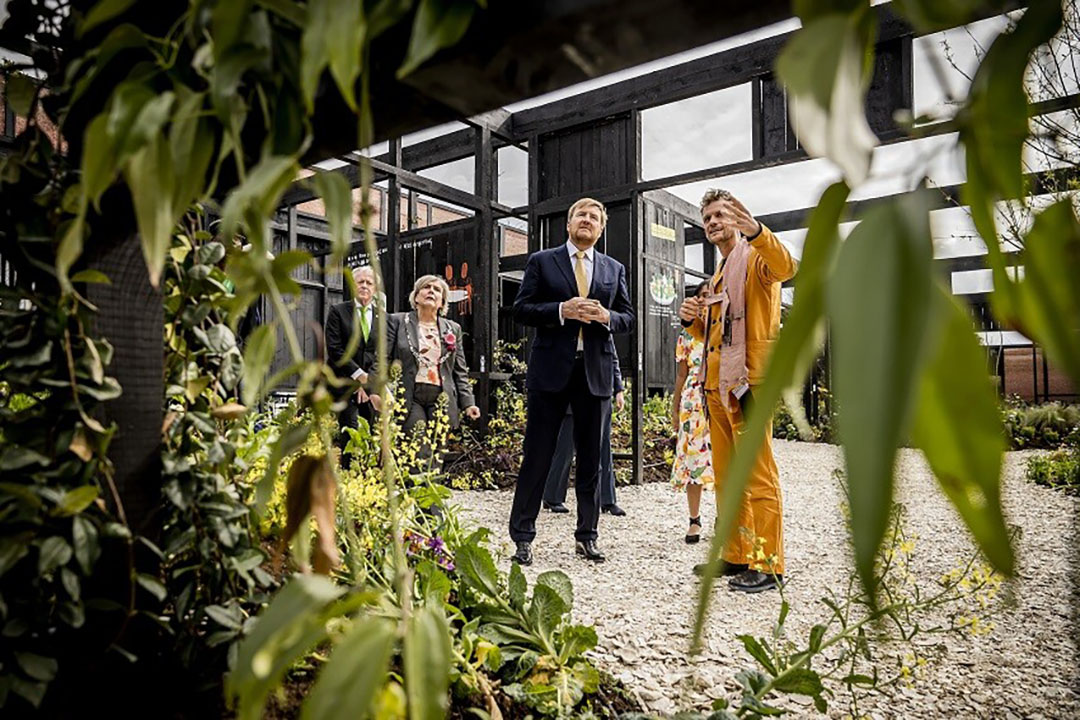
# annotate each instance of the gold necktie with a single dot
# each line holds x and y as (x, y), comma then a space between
(579, 272)
(582, 283)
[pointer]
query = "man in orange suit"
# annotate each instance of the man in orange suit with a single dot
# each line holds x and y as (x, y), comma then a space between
(738, 321)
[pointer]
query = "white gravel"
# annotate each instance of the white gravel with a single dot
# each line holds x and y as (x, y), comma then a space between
(642, 598)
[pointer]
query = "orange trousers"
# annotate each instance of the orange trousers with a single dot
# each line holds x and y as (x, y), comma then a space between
(758, 535)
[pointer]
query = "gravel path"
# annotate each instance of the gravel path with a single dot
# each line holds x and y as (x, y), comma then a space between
(641, 600)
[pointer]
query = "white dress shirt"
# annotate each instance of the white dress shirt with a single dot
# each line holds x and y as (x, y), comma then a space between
(369, 312)
(588, 259)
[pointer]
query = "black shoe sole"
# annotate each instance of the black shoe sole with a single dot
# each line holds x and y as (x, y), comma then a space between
(754, 589)
(519, 561)
(692, 539)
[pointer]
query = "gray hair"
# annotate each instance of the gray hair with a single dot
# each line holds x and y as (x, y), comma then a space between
(714, 194)
(423, 282)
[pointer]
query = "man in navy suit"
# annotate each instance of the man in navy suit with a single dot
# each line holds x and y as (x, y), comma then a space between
(576, 298)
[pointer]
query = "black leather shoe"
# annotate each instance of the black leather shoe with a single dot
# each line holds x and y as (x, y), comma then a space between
(523, 556)
(588, 550)
(755, 581)
(556, 508)
(726, 569)
(613, 509)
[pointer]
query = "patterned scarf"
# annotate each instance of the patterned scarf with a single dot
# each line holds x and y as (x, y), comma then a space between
(733, 372)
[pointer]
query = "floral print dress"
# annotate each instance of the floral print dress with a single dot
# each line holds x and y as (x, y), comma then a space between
(693, 452)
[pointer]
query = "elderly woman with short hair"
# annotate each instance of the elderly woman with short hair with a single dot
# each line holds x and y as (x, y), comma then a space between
(429, 348)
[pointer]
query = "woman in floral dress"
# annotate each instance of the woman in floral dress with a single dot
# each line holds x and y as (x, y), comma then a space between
(692, 468)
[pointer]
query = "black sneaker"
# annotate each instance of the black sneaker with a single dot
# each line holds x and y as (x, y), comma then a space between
(755, 581)
(726, 569)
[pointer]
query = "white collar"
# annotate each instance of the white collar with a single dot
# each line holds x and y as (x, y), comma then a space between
(370, 306)
(573, 250)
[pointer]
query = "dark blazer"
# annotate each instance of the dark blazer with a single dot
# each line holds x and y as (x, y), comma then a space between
(339, 328)
(549, 280)
(401, 340)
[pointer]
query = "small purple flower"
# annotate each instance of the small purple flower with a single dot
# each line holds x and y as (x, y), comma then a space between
(436, 544)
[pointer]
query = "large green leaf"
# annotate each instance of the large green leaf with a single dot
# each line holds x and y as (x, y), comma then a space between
(103, 12)
(958, 426)
(257, 197)
(477, 569)
(76, 500)
(427, 661)
(19, 90)
(879, 305)
(336, 194)
(258, 354)
(438, 24)
(192, 144)
(576, 641)
(149, 176)
(315, 48)
(98, 160)
(932, 15)
(796, 338)
(994, 128)
(1048, 297)
(345, 39)
(558, 581)
(284, 632)
(354, 673)
(825, 71)
(546, 610)
(517, 585)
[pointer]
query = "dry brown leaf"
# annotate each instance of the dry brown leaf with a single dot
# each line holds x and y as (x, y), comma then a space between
(310, 489)
(81, 446)
(170, 418)
(229, 411)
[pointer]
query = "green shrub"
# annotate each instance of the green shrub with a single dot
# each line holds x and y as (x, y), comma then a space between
(1046, 426)
(1059, 470)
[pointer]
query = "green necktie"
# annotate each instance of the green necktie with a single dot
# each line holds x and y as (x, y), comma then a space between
(363, 324)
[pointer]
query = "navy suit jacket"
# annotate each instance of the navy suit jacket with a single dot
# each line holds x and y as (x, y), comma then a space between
(549, 280)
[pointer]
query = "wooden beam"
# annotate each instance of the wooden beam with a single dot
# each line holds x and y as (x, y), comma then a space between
(679, 82)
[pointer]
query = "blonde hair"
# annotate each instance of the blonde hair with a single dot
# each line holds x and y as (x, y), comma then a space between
(588, 202)
(423, 282)
(712, 195)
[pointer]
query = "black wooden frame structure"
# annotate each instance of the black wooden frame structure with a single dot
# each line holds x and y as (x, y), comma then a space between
(590, 145)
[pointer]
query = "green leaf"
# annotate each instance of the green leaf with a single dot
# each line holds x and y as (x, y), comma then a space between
(879, 302)
(102, 12)
(54, 552)
(84, 536)
(518, 586)
(576, 641)
(787, 366)
(439, 24)
(71, 246)
(32, 692)
(816, 634)
(254, 200)
(77, 500)
(345, 40)
(825, 71)
(355, 672)
(558, 581)
(1048, 296)
(220, 339)
(210, 254)
(994, 129)
(385, 14)
(37, 666)
(546, 609)
(758, 652)
(72, 614)
(149, 176)
(229, 617)
(958, 427)
(19, 90)
(800, 681)
(14, 457)
(191, 143)
(427, 660)
(11, 552)
(99, 161)
(930, 16)
(337, 199)
(71, 583)
(152, 585)
(290, 626)
(91, 277)
(258, 354)
(477, 569)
